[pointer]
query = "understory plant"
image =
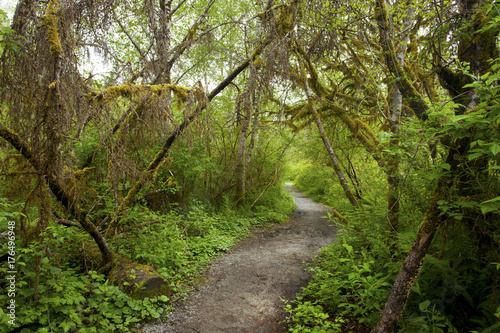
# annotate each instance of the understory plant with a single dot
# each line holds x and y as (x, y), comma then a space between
(55, 292)
(350, 282)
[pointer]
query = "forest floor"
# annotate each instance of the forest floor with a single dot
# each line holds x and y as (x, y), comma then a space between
(245, 289)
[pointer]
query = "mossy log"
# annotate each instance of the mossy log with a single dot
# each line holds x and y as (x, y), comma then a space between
(134, 279)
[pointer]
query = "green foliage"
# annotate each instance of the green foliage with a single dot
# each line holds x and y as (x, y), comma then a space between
(274, 205)
(316, 182)
(351, 281)
(431, 320)
(9, 211)
(7, 42)
(311, 318)
(65, 298)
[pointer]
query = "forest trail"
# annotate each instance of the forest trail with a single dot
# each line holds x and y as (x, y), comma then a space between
(246, 287)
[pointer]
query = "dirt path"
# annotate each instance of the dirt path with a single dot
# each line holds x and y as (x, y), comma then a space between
(245, 287)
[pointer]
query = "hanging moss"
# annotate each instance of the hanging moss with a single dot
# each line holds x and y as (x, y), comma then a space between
(50, 21)
(164, 164)
(367, 131)
(410, 94)
(285, 21)
(112, 93)
(192, 31)
(84, 173)
(318, 88)
(258, 61)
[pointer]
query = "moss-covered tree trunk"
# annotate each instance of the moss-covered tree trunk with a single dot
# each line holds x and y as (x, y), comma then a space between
(60, 194)
(134, 279)
(413, 263)
(245, 106)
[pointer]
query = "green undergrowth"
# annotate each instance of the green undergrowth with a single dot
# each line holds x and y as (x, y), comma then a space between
(350, 282)
(63, 296)
(352, 278)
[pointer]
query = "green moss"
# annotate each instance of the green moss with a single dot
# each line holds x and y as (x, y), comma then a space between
(137, 280)
(134, 279)
(258, 61)
(84, 174)
(112, 93)
(192, 31)
(50, 20)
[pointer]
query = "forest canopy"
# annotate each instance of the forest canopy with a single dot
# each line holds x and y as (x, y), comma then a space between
(176, 122)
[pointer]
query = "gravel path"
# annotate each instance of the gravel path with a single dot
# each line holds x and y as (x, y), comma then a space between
(246, 287)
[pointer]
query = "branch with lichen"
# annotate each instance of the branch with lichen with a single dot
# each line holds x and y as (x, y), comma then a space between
(318, 88)
(50, 20)
(112, 93)
(59, 192)
(409, 92)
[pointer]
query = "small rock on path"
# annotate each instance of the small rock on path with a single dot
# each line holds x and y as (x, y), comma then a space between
(246, 287)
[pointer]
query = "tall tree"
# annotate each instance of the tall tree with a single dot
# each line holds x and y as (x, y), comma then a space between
(483, 43)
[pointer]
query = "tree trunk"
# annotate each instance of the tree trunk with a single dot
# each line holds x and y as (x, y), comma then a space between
(241, 164)
(58, 190)
(241, 158)
(413, 263)
(333, 157)
(256, 100)
(329, 149)
(393, 177)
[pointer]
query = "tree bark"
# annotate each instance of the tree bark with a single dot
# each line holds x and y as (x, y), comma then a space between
(241, 158)
(58, 190)
(335, 162)
(393, 177)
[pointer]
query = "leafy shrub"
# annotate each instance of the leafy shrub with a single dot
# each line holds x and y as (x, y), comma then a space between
(310, 318)
(65, 298)
(351, 281)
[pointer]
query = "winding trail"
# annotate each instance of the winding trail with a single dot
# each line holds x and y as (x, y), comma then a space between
(246, 287)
